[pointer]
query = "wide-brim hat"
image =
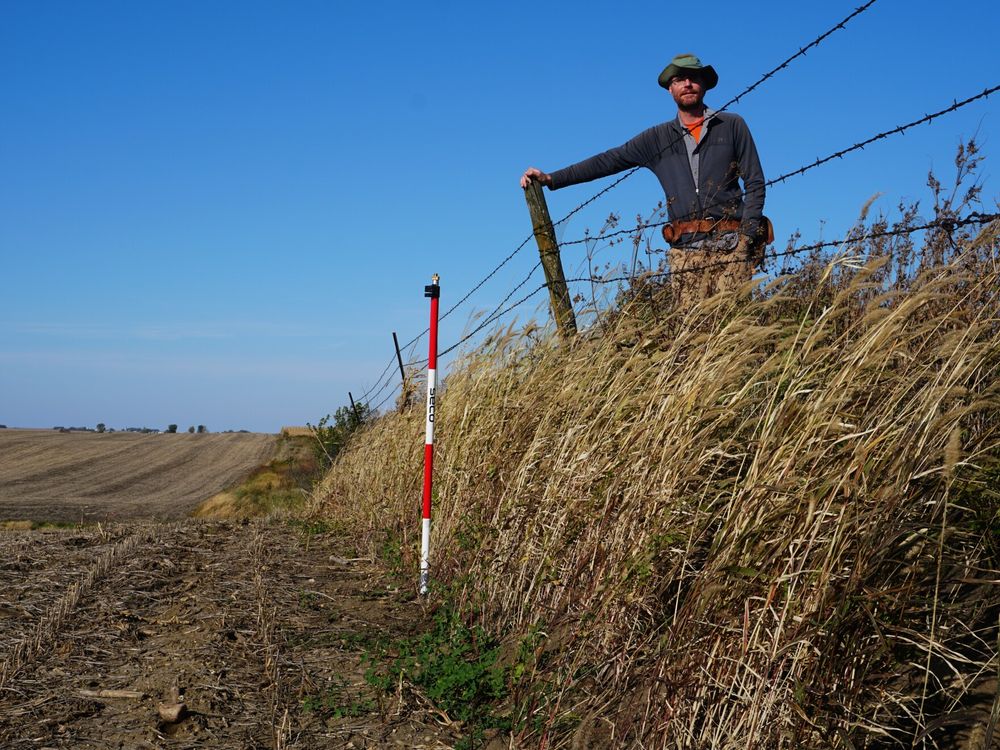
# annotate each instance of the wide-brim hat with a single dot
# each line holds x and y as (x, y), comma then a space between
(685, 64)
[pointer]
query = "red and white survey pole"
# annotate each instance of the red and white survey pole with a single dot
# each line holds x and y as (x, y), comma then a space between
(434, 292)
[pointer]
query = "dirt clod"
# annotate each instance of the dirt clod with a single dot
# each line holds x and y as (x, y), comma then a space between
(171, 712)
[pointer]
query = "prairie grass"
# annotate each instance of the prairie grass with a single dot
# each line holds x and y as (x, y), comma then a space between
(770, 521)
(279, 487)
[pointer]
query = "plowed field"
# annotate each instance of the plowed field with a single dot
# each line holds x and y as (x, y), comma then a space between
(254, 627)
(155, 633)
(84, 476)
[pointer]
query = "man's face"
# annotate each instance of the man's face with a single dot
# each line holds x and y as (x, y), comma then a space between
(688, 90)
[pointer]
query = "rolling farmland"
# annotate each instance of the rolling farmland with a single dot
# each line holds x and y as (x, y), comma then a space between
(83, 476)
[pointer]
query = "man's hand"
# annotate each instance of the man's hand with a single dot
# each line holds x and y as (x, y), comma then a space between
(750, 248)
(533, 174)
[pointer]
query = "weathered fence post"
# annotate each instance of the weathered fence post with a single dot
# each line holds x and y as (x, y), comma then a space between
(404, 395)
(354, 406)
(548, 249)
(399, 358)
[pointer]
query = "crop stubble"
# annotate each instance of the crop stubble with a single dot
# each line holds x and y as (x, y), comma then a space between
(246, 620)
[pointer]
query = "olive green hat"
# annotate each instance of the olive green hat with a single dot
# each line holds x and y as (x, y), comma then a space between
(686, 63)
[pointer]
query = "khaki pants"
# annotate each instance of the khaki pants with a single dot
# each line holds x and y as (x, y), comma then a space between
(699, 274)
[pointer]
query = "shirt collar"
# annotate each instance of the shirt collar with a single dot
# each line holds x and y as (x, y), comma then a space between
(710, 114)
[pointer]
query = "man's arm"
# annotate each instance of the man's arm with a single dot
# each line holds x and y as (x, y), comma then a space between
(633, 153)
(752, 175)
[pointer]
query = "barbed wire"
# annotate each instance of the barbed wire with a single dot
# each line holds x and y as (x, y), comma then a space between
(899, 129)
(499, 311)
(801, 170)
(945, 223)
(802, 51)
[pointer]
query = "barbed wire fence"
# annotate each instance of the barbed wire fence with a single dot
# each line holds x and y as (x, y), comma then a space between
(499, 311)
(502, 309)
(386, 378)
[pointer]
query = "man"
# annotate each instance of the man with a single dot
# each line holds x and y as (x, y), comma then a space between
(717, 232)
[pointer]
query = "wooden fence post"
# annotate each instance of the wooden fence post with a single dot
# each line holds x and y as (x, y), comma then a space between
(399, 358)
(354, 406)
(404, 394)
(548, 250)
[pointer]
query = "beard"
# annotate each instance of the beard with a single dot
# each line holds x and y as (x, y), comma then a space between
(690, 103)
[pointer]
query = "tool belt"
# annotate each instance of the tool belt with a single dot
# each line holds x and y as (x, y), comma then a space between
(674, 231)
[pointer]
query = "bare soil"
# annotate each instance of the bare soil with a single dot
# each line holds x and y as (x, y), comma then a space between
(257, 628)
(154, 630)
(46, 475)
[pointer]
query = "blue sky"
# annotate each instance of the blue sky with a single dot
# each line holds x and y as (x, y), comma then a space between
(217, 213)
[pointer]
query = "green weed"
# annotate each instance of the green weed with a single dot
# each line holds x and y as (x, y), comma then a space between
(454, 665)
(336, 703)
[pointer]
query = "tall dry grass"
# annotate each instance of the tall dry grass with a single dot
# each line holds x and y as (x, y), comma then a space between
(762, 523)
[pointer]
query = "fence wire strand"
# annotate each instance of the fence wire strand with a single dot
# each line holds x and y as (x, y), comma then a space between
(885, 134)
(949, 224)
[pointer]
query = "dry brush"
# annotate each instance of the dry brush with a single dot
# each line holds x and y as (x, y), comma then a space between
(762, 523)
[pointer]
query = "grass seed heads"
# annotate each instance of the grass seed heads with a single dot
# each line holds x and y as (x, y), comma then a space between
(756, 523)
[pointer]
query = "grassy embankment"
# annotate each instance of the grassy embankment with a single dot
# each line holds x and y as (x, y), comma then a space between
(760, 524)
(281, 486)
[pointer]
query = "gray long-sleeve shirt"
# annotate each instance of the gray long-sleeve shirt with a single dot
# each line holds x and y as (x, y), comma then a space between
(700, 180)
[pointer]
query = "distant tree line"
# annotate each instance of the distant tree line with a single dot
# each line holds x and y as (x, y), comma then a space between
(200, 429)
(101, 427)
